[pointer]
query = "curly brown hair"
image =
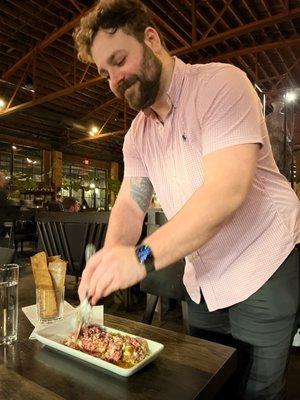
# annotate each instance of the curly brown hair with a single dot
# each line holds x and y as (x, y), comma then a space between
(130, 15)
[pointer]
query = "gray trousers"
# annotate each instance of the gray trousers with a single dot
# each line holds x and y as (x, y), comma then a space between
(262, 328)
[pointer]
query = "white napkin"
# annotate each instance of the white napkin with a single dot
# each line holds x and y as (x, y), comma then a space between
(31, 314)
(296, 341)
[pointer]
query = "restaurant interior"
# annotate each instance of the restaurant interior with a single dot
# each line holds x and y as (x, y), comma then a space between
(61, 137)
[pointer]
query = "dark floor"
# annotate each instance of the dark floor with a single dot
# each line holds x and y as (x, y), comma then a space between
(170, 319)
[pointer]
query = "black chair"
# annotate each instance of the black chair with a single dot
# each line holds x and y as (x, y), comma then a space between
(7, 255)
(165, 283)
(67, 234)
(24, 231)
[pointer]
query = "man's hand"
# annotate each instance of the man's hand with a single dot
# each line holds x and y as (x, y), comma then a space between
(110, 269)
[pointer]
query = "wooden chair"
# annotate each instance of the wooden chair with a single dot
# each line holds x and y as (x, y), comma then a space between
(67, 234)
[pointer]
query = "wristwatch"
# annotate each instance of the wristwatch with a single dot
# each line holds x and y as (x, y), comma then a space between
(145, 257)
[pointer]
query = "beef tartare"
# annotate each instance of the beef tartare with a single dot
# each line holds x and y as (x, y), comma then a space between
(120, 349)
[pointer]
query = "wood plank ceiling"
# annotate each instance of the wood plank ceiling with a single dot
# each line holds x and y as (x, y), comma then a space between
(262, 37)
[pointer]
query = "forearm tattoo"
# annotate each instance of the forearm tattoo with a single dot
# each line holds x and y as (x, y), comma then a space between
(141, 190)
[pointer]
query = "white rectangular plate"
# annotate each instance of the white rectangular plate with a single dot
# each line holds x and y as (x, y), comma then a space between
(55, 333)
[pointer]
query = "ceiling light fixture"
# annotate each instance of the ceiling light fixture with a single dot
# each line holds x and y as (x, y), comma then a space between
(2, 104)
(290, 96)
(94, 130)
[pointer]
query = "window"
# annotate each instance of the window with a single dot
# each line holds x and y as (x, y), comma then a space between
(5, 158)
(86, 183)
(21, 160)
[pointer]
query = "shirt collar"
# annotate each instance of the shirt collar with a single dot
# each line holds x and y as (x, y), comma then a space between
(174, 90)
(176, 82)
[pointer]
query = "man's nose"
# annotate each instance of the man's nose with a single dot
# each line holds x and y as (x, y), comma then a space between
(116, 77)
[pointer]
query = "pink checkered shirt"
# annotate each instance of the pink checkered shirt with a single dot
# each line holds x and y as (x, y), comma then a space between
(214, 106)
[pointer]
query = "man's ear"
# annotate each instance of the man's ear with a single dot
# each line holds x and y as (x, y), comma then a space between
(152, 39)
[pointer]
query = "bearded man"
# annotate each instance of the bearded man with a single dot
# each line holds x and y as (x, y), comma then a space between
(201, 142)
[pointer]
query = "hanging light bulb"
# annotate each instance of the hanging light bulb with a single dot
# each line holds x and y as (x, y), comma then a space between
(93, 131)
(2, 104)
(290, 96)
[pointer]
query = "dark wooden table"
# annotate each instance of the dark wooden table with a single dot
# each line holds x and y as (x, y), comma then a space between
(187, 368)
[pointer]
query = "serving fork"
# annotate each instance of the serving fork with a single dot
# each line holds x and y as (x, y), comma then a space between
(84, 310)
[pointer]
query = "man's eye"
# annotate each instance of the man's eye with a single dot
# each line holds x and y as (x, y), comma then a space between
(121, 62)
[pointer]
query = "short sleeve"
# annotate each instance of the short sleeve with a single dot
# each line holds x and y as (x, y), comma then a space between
(133, 164)
(233, 111)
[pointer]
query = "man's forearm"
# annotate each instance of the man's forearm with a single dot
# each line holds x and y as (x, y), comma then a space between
(124, 227)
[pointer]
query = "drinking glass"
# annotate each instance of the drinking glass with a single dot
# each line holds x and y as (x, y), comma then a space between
(49, 304)
(9, 279)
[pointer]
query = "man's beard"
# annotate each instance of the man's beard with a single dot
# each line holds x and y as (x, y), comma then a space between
(147, 82)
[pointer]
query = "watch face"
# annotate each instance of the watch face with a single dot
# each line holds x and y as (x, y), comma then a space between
(144, 252)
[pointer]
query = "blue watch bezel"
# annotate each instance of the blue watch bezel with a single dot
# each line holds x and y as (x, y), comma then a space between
(145, 257)
(143, 253)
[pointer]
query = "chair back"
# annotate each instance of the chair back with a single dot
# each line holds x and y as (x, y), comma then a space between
(168, 281)
(7, 255)
(68, 234)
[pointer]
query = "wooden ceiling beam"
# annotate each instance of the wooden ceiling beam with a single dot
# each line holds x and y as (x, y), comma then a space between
(20, 140)
(254, 17)
(100, 107)
(56, 70)
(241, 30)
(162, 23)
(200, 44)
(67, 27)
(49, 97)
(44, 43)
(17, 87)
(102, 135)
(254, 49)
(194, 22)
(241, 23)
(75, 4)
(296, 62)
(217, 18)
(85, 72)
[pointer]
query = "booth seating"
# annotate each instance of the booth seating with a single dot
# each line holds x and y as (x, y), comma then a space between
(67, 234)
